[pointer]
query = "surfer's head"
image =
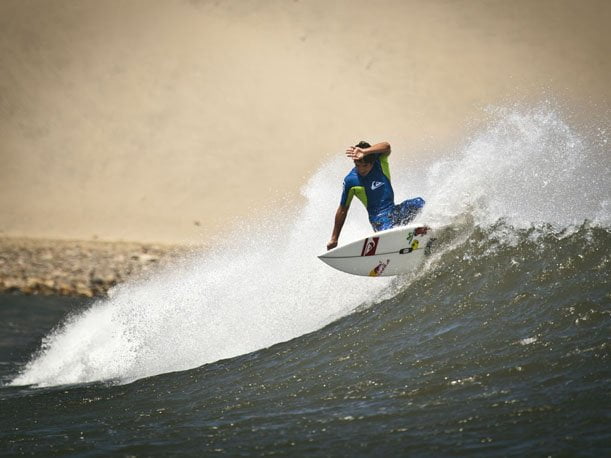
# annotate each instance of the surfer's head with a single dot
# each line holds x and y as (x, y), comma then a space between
(364, 166)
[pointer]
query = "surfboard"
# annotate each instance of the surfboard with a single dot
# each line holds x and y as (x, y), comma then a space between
(395, 251)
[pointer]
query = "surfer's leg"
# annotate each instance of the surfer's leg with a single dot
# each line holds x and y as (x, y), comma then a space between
(407, 210)
(382, 222)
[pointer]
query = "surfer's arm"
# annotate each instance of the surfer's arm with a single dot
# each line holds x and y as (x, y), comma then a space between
(357, 153)
(340, 218)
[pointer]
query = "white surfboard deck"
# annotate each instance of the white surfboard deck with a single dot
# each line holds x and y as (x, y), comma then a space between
(394, 251)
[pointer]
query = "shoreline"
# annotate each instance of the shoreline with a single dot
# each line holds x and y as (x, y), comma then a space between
(76, 267)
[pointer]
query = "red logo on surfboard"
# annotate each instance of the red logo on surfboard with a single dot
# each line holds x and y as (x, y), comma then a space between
(421, 230)
(370, 246)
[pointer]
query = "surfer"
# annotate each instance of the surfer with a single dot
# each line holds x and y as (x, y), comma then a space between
(369, 181)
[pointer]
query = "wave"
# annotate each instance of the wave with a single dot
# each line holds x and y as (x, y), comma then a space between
(525, 178)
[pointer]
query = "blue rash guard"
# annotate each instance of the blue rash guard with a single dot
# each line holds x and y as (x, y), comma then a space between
(375, 191)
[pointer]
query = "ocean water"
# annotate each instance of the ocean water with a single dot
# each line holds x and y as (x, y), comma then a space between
(498, 346)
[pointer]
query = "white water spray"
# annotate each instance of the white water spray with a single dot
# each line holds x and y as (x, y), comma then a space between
(263, 285)
(528, 168)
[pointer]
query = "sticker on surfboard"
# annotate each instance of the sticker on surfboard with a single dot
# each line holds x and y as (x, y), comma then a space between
(379, 269)
(370, 246)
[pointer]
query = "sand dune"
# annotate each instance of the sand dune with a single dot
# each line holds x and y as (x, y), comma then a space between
(152, 120)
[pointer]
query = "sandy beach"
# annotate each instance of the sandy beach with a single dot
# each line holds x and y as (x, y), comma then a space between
(167, 121)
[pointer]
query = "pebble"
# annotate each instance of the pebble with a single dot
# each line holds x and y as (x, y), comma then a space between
(77, 268)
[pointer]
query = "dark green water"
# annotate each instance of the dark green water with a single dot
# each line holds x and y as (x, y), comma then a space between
(500, 349)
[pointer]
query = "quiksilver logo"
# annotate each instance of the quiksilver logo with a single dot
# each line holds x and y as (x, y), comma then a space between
(370, 246)
(376, 184)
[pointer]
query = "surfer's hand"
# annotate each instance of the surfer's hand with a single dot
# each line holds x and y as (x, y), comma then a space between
(332, 244)
(355, 153)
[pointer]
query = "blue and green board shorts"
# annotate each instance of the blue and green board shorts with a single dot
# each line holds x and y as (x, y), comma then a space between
(399, 215)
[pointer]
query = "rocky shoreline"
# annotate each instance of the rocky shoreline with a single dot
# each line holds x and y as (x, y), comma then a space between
(77, 268)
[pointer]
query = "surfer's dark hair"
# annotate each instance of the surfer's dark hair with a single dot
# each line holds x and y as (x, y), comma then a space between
(370, 158)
